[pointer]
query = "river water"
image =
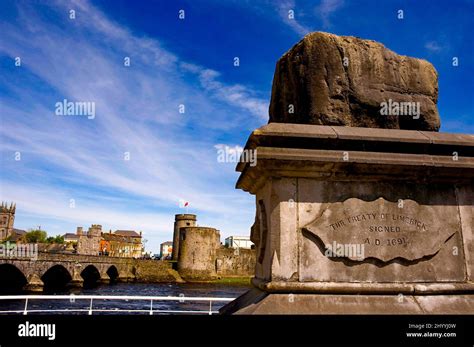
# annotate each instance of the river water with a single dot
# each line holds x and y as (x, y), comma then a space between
(172, 289)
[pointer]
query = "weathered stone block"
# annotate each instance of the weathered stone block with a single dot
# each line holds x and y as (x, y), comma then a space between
(327, 79)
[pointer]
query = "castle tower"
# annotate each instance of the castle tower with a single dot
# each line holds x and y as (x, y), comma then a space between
(89, 244)
(180, 221)
(198, 253)
(7, 218)
(95, 230)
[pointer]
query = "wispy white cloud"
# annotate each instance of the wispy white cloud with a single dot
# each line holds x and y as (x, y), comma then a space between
(326, 9)
(298, 19)
(433, 46)
(136, 112)
(292, 19)
(235, 95)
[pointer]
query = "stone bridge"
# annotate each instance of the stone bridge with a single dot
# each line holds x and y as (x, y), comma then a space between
(52, 270)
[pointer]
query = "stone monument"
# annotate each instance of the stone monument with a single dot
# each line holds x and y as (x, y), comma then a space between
(361, 205)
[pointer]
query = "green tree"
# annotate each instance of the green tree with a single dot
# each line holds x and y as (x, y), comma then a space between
(35, 236)
(55, 239)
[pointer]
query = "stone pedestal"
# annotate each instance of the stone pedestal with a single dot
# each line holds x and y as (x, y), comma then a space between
(360, 220)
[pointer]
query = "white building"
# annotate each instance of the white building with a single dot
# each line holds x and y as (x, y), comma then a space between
(238, 242)
(166, 248)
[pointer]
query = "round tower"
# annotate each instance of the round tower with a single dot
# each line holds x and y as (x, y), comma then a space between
(198, 253)
(180, 221)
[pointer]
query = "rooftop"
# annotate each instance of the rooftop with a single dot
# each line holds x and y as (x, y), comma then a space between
(71, 236)
(130, 233)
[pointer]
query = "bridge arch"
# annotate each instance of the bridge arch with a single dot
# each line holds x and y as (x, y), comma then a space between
(91, 276)
(113, 273)
(12, 279)
(56, 277)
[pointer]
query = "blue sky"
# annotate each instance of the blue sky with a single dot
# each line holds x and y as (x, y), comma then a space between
(173, 155)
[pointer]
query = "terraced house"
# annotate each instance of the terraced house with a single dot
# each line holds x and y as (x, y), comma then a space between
(123, 243)
(120, 243)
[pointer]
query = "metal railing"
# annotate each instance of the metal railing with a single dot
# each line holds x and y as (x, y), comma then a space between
(90, 301)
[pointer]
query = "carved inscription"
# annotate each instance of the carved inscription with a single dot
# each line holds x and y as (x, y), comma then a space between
(384, 229)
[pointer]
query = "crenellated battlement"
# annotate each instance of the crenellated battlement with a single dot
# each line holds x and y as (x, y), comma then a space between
(4, 208)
